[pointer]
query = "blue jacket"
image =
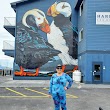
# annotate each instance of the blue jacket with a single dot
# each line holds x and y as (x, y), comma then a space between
(57, 83)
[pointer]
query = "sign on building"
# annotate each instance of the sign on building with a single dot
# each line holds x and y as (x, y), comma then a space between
(102, 18)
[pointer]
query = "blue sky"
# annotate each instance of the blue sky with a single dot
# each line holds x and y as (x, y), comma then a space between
(6, 11)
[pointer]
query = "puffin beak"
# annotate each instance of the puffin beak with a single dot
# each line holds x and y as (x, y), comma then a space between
(49, 12)
(45, 26)
(52, 11)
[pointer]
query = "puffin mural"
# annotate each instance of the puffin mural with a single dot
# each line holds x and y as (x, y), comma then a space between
(62, 36)
(32, 51)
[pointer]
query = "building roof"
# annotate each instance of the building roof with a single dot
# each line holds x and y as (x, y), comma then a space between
(14, 4)
(20, 1)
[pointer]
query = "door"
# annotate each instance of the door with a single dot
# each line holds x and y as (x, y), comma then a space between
(97, 72)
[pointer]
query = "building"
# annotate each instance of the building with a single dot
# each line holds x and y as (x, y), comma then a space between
(93, 22)
(92, 19)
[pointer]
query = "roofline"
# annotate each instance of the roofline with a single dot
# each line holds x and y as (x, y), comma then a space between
(14, 4)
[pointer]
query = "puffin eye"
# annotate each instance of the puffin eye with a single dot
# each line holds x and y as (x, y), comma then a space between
(38, 18)
(64, 6)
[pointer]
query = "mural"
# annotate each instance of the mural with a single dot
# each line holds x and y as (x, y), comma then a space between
(33, 51)
(61, 34)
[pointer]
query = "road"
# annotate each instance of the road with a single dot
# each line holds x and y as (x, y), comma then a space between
(36, 98)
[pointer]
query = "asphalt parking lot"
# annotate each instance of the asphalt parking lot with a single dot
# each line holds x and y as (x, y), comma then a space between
(36, 98)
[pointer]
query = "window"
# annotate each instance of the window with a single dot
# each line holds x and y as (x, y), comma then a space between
(81, 35)
(97, 68)
(81, 9)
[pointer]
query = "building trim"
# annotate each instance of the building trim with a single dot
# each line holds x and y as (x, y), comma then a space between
(8, 52)
(78, 4)
(81, 35)
(10, 29)
(94, 52)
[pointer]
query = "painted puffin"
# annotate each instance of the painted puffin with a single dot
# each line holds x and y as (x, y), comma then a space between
(61, 35)
(32, 51)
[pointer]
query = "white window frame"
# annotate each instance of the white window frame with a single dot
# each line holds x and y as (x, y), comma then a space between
(80, 37)
(80, 10)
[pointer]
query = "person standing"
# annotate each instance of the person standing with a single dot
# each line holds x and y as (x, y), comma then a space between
(58, 88)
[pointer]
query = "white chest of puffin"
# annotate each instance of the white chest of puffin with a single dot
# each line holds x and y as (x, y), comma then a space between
(61, 34)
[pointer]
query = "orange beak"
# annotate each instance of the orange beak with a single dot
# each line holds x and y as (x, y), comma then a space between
(49, 12)
(52, 11)
(45, 27)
